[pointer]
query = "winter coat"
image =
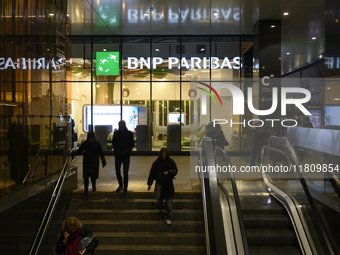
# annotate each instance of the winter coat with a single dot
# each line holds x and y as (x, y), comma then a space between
(92, 152)
(83, 232)
(220, 138)
(122, 143)
(261, 136)
(160, 166)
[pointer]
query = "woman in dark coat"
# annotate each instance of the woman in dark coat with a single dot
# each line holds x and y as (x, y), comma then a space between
(163, 170)
(75, 239)
(92, 151)
(217, 137)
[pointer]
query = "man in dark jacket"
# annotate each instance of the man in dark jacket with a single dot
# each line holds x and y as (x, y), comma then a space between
(92, 151)
(122, 144)
(163, 170)
(261, 136)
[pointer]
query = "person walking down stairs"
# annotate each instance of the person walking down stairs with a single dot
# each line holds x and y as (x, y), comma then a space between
(92, 151)
(163, 170)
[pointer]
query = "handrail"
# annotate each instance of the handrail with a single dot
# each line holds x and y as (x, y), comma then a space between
(33, 168)
(237, 202)
(204, 199)
(333, 179)
(50, 208)
(315, 209)
(290, 206)
(214, 216)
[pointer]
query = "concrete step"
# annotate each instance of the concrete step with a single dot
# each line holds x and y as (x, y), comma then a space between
(137, 203)
(267, 221)
(150, 250)
(150, 238)
(134, 214)
(135, 195)
(144, 226)
(271, 237)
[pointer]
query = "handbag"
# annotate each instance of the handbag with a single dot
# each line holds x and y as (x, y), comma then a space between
(74, 137)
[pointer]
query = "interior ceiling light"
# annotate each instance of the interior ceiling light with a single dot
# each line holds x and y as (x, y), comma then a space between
(313, 38)
(202, 49)
(336, 98)
(285, 13)
(104, 49)
(51, 14)
(215, 13)
(156, 49)
(272, 26)
(288, 53)
(146, 14)
(68, 15)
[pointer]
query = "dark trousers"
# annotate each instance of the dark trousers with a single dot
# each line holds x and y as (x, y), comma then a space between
(126, 165)
(86, 183)
(255, 153)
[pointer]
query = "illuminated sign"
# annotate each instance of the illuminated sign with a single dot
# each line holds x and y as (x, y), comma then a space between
(182, 15)
(31, 63)
(192, 63)
(107, 63)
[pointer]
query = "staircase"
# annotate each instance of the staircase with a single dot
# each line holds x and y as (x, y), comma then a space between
(133, 226)
(268, 228)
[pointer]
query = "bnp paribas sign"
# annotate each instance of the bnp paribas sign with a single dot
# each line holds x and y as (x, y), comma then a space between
(107, 63)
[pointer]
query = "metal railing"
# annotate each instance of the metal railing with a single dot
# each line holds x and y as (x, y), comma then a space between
(50, 208)
(237, 201)
(319, 218)
(210, 192)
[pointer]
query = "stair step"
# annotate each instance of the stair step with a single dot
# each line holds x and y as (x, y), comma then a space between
(144, 226)
(267, 221)
(150, 250)
(138, 203)
(134, 195)
(134, 214)
(270, 237)
(150, 238)
(277, 250)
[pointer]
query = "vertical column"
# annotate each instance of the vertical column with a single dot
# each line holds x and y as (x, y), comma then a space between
(267, 49)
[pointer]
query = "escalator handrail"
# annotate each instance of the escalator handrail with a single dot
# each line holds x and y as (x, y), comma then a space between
(237, 202)
(50, 208)
(204, 201)
(290, 206)
(325, 231)
(214, 212)
(333, 179)
(315, 210)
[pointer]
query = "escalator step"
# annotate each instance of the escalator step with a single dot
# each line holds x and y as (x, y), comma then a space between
(267, 221)
(271, 237)
(277, 250)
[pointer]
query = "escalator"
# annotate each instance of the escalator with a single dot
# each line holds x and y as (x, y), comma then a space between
(276, 215)
(268, 226)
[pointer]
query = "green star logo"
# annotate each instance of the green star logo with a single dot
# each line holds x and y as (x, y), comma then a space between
(107, 63)
(108, 14)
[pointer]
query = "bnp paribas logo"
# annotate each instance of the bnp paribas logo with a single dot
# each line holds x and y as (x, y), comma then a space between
(107, 63)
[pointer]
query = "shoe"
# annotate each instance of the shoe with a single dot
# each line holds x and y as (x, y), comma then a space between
(85, 196)
(94, 189)
(119, 189)
(125, 195)
(168, 221)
